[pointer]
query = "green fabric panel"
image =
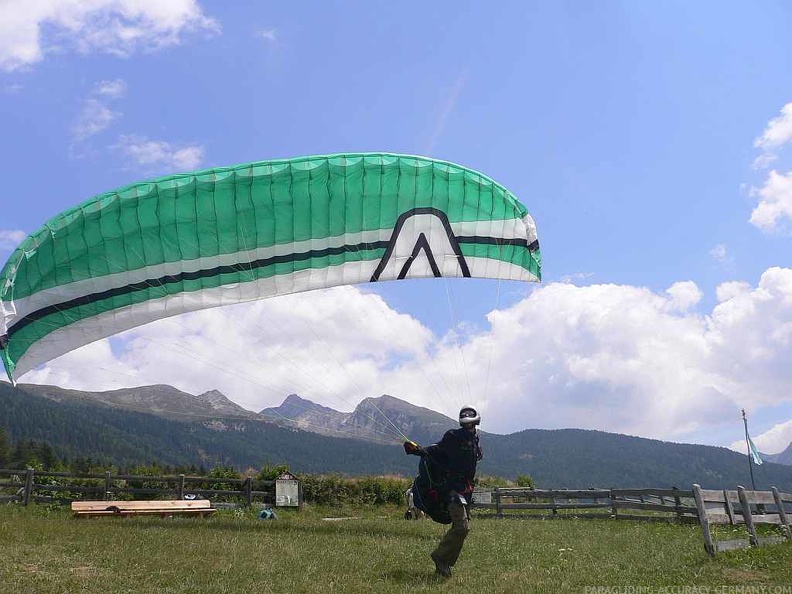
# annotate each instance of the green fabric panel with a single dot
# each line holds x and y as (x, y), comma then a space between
(530, 261)
(197, 215)
(234, 209)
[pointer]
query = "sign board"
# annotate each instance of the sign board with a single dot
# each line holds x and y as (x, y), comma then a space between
(482, 497)
(287, 491)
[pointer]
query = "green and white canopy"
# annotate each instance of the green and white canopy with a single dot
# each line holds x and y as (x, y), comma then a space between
(192, 241)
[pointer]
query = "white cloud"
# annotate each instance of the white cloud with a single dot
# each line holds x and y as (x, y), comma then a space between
(575, 277)
(731, 289)
(12, 89)
(778, 131)
(11, 238)
(328, 345)
(94, 118)
(113, 89)
(270, 35)
(775, 197)
(159, 154)
(30, 30)
(764, 160)
(684, 295)
(775, 202)
(95, 115)
(749, 340)
(719, 252)
(609, 357)
(773, 441)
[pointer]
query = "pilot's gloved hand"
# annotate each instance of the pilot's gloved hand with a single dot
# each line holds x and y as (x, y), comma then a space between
(410, 447)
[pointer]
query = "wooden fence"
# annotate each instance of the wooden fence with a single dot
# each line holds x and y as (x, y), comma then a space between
(26, 486)
(650, 504)
(30, 485)
(749, 508)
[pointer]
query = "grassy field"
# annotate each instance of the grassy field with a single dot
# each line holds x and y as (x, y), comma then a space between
(44, 550)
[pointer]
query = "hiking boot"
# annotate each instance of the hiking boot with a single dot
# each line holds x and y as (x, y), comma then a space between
(442, 568)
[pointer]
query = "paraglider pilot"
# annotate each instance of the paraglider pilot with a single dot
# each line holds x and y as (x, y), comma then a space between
(444, 486)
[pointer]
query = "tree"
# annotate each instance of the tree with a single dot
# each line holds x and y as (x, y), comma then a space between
(525, 480)
(23, 454)
(5, 448)
(46, 454)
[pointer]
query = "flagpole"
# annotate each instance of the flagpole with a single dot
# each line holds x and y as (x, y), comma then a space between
(748, 445)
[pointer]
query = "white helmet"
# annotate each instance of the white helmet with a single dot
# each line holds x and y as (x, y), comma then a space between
(467, 415)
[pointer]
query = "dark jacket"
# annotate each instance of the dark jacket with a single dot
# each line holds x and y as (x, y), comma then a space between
(457, 455)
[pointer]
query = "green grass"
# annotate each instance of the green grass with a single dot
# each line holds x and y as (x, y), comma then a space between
(45, 550)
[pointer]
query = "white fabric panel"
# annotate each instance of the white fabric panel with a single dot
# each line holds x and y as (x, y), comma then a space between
(55, 295)
(109, 323)
(502, 228)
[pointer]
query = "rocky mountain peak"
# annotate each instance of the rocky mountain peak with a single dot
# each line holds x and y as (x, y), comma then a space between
(216, 399)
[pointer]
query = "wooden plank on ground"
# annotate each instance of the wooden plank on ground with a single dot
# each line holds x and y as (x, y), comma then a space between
(131, 506)
(730, 545)
(139, 505)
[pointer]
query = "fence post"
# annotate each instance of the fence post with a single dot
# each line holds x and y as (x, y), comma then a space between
(249, 492)
(498, 511)
(614, 510)
(701, 510)
(28, 486)
(180, 488)
(677, 504)
(107, 486)
(747, 517)
(781, 513)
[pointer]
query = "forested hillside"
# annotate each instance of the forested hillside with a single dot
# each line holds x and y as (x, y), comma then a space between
(83, 428)
(77, 429)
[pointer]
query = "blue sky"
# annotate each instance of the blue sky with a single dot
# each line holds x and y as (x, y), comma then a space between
(650, 143)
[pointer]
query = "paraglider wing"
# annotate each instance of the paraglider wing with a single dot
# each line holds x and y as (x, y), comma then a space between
(193, 241)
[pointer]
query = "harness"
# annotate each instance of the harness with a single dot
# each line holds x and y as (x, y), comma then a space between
(428, 493)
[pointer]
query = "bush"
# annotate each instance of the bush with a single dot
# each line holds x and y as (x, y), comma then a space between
(525, 480)
(490, 482)
(270, 473)
(337, 490)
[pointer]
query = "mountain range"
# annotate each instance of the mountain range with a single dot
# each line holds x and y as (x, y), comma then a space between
(367, 421)
(165, 425)
(784, 457)
(375, 419)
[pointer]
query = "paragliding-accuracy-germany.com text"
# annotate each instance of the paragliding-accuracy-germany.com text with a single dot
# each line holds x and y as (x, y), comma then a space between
(726, 589)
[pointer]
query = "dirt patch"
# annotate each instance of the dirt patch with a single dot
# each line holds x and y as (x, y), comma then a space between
(742, 576)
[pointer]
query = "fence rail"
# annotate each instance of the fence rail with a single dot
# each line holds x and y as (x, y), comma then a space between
(29, 485)
(653, 503)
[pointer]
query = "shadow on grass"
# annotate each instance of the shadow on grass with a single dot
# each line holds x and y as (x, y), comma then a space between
(222, 525)
(413, 577)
